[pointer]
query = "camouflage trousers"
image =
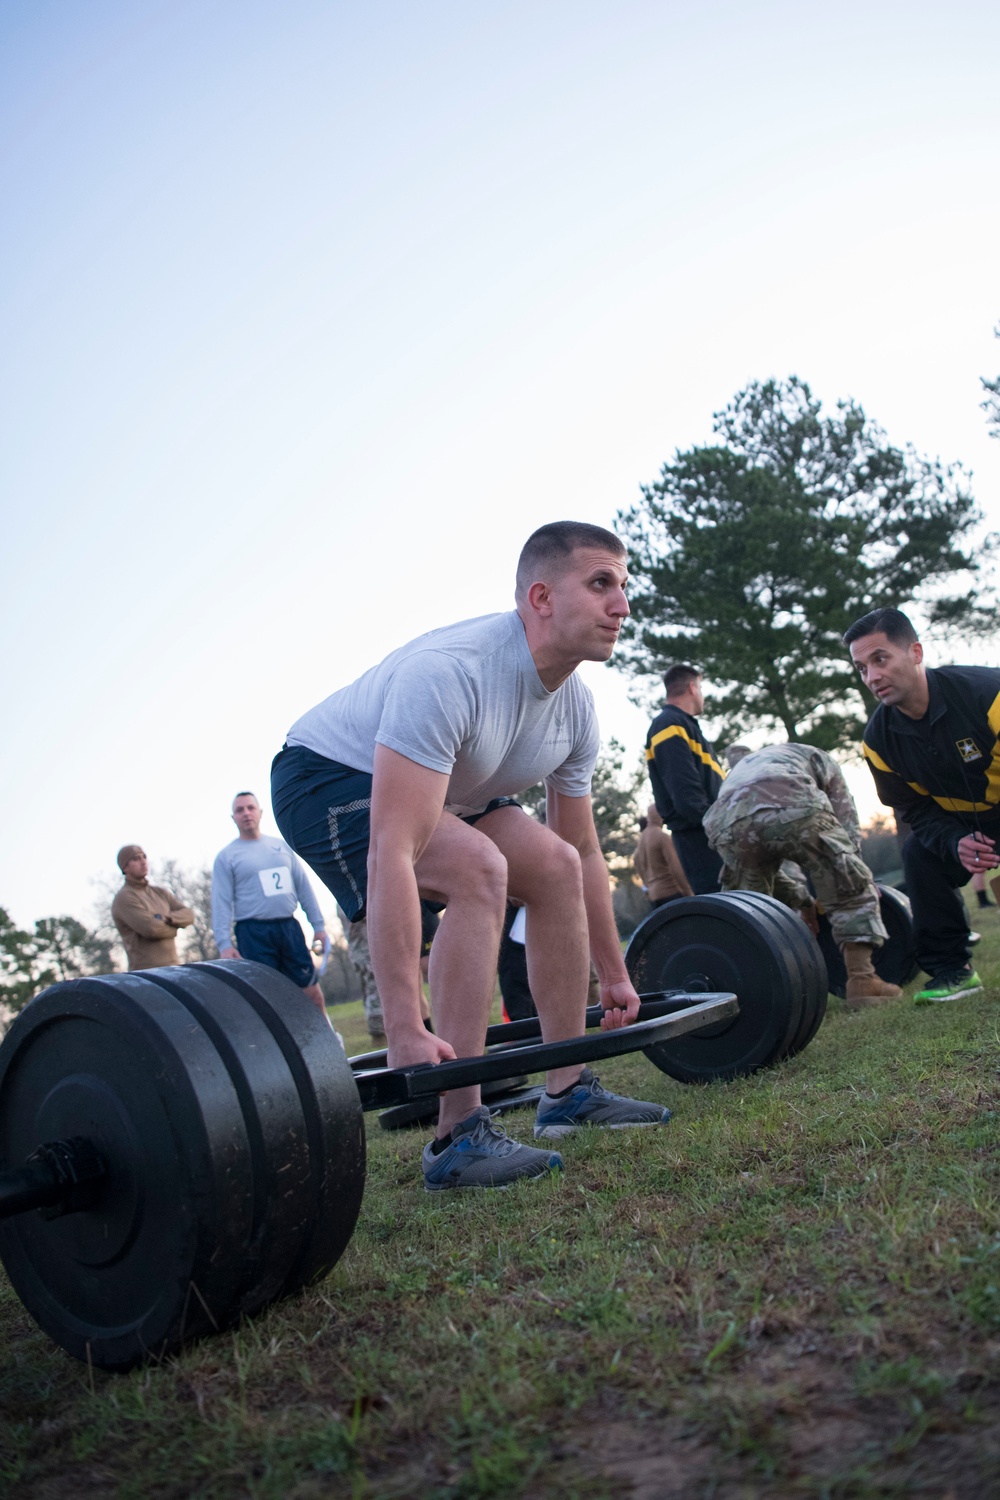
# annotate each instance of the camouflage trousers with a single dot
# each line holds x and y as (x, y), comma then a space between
(754, 847)
(357, 949)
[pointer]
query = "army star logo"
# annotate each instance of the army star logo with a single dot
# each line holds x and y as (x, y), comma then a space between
(968, 750)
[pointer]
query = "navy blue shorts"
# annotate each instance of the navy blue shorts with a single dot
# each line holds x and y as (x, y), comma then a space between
(323, 811)
(278, 943)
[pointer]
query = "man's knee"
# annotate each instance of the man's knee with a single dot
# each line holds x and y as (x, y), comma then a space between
(556, 868)
(481, 874)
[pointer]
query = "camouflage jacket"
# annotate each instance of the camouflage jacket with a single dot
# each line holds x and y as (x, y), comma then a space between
(784, 779)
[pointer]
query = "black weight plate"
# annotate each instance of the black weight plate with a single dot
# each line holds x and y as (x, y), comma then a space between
(761, 910)
(898, 955)
(812, 967)
(802, 948)
(120, 1062)
(895, 961)
(331, 1109)
(713, 943)
(820, 991)
(284, 1198)
(775, 922)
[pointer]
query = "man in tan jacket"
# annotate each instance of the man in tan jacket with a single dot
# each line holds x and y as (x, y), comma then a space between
(147, 916)
(656, 861)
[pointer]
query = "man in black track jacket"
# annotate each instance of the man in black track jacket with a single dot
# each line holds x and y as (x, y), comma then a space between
(685, 775)
(933, 747)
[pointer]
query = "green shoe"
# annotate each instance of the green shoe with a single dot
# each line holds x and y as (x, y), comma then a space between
(949, 987)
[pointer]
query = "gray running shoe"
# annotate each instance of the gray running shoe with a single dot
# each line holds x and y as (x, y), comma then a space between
(482, 1155)
(589, 1104)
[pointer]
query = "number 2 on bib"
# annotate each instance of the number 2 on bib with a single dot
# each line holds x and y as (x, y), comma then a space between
(277, 881)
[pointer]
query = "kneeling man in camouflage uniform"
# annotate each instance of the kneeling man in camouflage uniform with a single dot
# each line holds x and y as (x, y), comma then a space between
(790, 802)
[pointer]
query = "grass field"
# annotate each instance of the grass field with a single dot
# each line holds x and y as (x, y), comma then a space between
(793, 1289)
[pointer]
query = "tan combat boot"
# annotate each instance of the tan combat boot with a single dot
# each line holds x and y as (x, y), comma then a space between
(864, 987)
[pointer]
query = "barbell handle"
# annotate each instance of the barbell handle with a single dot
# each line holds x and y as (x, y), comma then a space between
(507, 1033)
(59, 1177)
(382, 1088)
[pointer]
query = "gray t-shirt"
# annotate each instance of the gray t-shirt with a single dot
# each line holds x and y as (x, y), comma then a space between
(467, 701)
(259, 878)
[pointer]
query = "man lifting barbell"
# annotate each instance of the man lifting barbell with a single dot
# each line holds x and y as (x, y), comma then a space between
(402, 786)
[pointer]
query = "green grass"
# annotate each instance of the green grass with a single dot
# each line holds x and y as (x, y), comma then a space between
(794, 1289)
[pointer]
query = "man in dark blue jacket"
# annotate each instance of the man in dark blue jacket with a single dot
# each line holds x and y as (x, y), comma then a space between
(933, 747)
(685, 775)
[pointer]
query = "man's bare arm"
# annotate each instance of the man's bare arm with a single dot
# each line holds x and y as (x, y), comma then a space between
(572, 818)
(407, 803)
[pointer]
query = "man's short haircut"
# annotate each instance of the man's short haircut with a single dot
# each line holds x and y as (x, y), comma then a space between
(550, 548)
(246, 794)
(676, 679)
(891, 623)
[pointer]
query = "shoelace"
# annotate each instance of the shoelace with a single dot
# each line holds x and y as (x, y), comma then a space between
(486, 1131)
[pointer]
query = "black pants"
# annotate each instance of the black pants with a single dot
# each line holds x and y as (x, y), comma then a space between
(512, 971)
(702, 865)
(939, 914)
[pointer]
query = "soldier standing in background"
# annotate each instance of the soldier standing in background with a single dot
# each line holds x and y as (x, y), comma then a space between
(685, 775)
(790, 802)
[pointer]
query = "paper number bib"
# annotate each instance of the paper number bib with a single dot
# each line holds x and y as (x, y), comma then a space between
(276, 882)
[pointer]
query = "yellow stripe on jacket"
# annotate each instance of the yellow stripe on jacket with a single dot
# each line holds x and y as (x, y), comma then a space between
(950, 804)
(693, 745)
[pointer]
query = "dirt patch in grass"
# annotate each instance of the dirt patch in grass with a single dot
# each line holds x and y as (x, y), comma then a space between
(794, 1424)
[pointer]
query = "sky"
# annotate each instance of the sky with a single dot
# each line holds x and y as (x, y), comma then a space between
(311, 313)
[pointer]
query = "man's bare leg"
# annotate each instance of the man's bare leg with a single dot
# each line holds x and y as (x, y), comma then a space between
(466, 871)
(544, 872)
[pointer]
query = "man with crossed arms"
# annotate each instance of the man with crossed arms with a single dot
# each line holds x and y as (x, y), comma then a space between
(402, 786)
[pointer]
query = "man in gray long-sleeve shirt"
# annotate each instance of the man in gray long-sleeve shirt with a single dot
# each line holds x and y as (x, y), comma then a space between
(257, 883)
